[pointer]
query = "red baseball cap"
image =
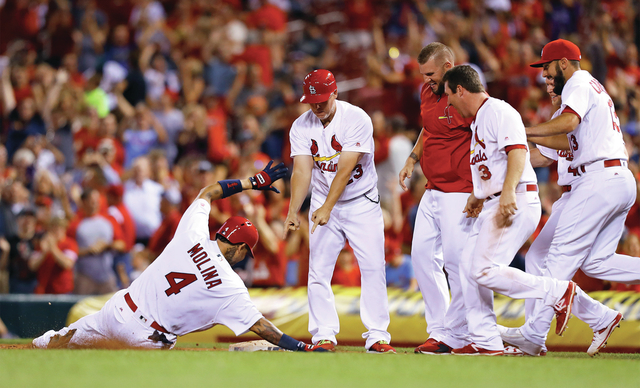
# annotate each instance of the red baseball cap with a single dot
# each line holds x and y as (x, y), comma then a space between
(556, 50)
(240, 230)
(318, 86)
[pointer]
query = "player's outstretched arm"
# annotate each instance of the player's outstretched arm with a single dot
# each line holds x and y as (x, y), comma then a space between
(560, 125)
(269, 332)
(557, 142)
(260, 181)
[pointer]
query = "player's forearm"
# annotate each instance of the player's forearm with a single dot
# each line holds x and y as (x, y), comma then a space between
(416, 152)
(539, 160)
(562, 124)
(557, 142)
(214, 192)
(267, 331)
(515, 167)
(337, 186)
(299, 189)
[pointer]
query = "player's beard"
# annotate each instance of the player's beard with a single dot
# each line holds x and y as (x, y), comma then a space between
(558, 81)
(440, 89)
(230, 253)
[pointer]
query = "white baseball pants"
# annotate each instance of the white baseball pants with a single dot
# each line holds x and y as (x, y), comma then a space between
(586, 233)
(113, 326)
(485, 268)
(438, 236)
(360, 221)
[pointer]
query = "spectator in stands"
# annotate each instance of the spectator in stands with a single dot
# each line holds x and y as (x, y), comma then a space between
(22, 279)
(120, 213)
(347, 272)
(172, 120)
(171, 200)
(143, 134)
(25, 121)
(142, 199)
(98, 235)
(55, 260)
(399, 270)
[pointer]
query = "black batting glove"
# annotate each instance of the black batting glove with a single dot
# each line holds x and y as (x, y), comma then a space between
(264, 179)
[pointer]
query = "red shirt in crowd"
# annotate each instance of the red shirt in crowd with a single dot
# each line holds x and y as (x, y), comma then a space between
(269, 269)
(446, 141)
(52, 278)
(165, 232)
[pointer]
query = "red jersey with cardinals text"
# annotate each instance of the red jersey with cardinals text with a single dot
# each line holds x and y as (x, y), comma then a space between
(350, 130)
(446, 137)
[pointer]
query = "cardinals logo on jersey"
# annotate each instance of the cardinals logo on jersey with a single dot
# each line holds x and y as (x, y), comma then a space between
(566, 154)
(314, 147)
(446, 115)
(335, 145)
(478, 141)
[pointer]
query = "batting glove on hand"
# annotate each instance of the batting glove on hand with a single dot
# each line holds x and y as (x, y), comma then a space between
(264, 179)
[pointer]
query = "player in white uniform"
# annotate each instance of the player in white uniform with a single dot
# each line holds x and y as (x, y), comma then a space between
(332, 149)
(603, 190)
(189, 287)
(505, 200)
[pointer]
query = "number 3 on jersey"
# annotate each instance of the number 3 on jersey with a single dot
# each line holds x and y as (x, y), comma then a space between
(485, 174)
(358, 174)
(175, 287)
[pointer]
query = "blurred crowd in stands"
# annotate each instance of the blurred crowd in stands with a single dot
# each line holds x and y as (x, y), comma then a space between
(116, 113)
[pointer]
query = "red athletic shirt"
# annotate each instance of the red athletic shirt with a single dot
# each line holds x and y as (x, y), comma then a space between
(446, 140)
(52, 278)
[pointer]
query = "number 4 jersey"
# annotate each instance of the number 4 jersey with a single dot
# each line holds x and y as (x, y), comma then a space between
(191, 286)
(350, 130)
(496, 129)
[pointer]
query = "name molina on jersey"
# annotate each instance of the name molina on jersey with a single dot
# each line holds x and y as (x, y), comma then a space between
(200, 257)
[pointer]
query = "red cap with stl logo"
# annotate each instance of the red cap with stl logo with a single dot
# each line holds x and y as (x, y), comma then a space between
(240, 230)
(318, 86)
(556, 50)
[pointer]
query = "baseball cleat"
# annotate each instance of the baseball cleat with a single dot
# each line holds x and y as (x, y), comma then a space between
(514, 337)
(511, 350)
(563, 308)
(381, 347)
(325, 344)
(433, 346)
(600, 337)
(474, 350)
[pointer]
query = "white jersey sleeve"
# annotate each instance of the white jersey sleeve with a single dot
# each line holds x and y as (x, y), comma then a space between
(509, 128)
(359, 138)
(300, 145)
(239, 314)
(195, 220)
(548, 152)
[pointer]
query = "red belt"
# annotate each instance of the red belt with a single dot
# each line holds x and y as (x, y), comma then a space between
(566, 188)
(134, 308)
(607, 163)
(528, 188)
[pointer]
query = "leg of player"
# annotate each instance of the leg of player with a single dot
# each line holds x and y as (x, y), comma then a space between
(365, 232)
(428, 264)
(324, 246)
(455, 227)
(488, 269)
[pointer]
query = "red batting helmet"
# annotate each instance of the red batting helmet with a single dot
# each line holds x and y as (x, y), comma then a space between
(318, 86)
(556, 50)
(240, 230)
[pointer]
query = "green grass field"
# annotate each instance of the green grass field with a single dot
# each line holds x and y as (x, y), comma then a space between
(349, 367)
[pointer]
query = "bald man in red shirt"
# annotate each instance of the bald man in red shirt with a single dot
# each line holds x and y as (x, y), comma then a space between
(441, 228)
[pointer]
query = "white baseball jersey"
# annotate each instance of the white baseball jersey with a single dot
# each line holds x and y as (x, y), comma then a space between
(598, 136)
(496, 127)
(191, 286)
(566, 174)
(350, 130)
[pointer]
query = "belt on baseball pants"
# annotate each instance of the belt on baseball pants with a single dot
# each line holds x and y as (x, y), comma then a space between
(134, 308)
(600, 164)
(566, 188)
(519, 189)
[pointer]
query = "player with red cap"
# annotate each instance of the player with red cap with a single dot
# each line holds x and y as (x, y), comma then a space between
(332, 149)
(190, 287)
(602, 192)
